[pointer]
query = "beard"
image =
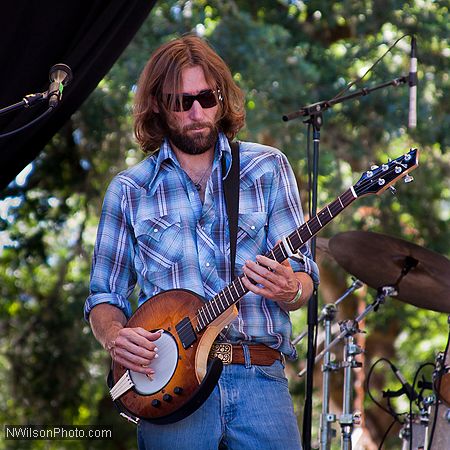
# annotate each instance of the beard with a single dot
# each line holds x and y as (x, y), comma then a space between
(196, 143)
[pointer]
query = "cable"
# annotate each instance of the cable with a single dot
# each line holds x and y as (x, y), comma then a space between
(37, 119)
(346, 88)
(416, 376)
(390, 412)
(386, 434)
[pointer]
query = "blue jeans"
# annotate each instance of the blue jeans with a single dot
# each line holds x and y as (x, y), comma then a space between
(250, 409)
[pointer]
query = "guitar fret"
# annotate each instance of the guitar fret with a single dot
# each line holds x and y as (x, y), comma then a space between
(349, 197)
(283, 252)
(205, 311)
(329, 212)
(223, 307)
(229, 303)
(236, 289)
(200, 320)
(339, 198)
(304, 230)
(227, 300)
(314, 222)
(319, 221)
(231, 295)
(336, 207)
(325, 218)
(212, 303)
(242, 286)
(210, 315)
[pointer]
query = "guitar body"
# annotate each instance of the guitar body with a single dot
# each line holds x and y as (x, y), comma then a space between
(182, 380)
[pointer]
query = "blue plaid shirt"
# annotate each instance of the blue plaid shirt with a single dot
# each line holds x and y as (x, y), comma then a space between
(155, 230)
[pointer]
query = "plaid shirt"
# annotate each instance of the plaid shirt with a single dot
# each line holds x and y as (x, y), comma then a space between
(154, 230)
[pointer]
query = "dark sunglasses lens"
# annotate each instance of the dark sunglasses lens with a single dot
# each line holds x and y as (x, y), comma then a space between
(207, 99)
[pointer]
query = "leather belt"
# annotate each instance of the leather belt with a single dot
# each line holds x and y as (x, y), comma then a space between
(260, 355)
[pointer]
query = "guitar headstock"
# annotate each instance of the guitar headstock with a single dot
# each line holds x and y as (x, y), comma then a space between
(379, 178)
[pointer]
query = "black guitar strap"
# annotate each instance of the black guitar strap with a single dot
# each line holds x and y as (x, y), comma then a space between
(231, 192)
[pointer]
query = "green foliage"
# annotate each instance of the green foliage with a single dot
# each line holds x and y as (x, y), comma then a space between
(284, 54)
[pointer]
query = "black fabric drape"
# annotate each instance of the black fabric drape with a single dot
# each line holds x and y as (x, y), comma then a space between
(88, 36)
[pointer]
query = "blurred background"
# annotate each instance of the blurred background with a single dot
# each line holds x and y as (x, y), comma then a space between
(284, 54)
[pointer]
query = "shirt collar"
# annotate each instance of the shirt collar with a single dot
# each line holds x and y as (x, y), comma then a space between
(165, 157)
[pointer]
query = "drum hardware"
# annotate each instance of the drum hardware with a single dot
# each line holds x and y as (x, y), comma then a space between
(439, 430)
(348, 419)
(416, 276)
(349, 328)
(327, 316)
(413, 432)
(383, 292)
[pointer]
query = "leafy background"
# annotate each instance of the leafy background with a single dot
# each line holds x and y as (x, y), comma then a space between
(284, 54)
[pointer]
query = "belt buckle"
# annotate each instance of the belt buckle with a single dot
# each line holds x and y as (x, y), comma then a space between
(223, 351)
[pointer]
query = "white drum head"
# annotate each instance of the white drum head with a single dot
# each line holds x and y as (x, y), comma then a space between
(164, 367)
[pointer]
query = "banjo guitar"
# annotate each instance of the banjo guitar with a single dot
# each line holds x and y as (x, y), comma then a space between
(183, 379)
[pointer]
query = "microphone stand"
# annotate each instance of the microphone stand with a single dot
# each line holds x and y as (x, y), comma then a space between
(314, 111)
(316, 121)
(27, 102)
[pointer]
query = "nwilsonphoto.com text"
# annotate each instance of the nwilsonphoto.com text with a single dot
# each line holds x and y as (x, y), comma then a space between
(56, 432)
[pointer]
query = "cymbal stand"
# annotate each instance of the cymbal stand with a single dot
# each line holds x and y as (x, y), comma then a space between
(348, 418)
(327, 418)
(348, 329)
(328, 315)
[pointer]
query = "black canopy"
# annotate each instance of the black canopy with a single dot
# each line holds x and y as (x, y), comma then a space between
(88, 36)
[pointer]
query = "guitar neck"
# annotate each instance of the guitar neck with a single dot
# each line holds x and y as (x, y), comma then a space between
(231, 294)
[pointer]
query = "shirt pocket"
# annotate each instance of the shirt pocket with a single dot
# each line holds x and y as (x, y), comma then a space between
(251, 237)
(160, 242)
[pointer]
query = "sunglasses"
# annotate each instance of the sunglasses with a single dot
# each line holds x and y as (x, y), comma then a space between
(206, 98)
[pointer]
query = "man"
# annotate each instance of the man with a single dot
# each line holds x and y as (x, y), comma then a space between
(164, 225)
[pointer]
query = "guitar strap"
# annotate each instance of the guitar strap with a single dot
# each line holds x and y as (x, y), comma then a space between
(231, 192)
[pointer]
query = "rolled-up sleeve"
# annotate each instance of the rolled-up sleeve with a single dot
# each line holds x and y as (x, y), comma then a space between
(113, 275)
(286, 215)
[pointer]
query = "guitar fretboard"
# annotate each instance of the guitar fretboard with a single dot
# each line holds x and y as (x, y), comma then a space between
(231, 294)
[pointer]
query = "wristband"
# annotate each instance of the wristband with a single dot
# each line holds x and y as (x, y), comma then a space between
(297, 295)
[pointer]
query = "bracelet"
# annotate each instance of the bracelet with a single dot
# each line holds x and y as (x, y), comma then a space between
(297, 295)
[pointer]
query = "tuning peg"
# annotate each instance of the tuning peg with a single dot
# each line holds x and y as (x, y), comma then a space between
(373, 167)
(393, 190)
(408, 179)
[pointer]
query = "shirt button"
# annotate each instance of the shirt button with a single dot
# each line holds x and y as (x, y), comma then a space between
(252, 227)
(207, 264)
(155, 230)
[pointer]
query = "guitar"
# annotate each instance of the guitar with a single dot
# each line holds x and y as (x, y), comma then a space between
(183, 380)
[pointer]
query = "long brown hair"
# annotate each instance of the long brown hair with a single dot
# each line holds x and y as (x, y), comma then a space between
(164, 69)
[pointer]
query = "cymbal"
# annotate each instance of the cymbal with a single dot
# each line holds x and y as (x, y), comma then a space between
(378, 260)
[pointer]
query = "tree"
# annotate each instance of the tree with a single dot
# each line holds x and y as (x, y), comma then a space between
(284, 55)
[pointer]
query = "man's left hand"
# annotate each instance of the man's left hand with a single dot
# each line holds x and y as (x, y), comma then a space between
(274, 280)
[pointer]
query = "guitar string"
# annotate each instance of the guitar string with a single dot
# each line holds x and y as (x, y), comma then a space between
(361, 187)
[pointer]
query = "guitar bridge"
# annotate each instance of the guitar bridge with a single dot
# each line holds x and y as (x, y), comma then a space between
(186, 332)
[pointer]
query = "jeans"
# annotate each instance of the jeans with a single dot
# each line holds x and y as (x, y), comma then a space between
(249, 409)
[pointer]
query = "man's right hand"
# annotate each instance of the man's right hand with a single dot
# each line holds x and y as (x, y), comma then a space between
(134, 348)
